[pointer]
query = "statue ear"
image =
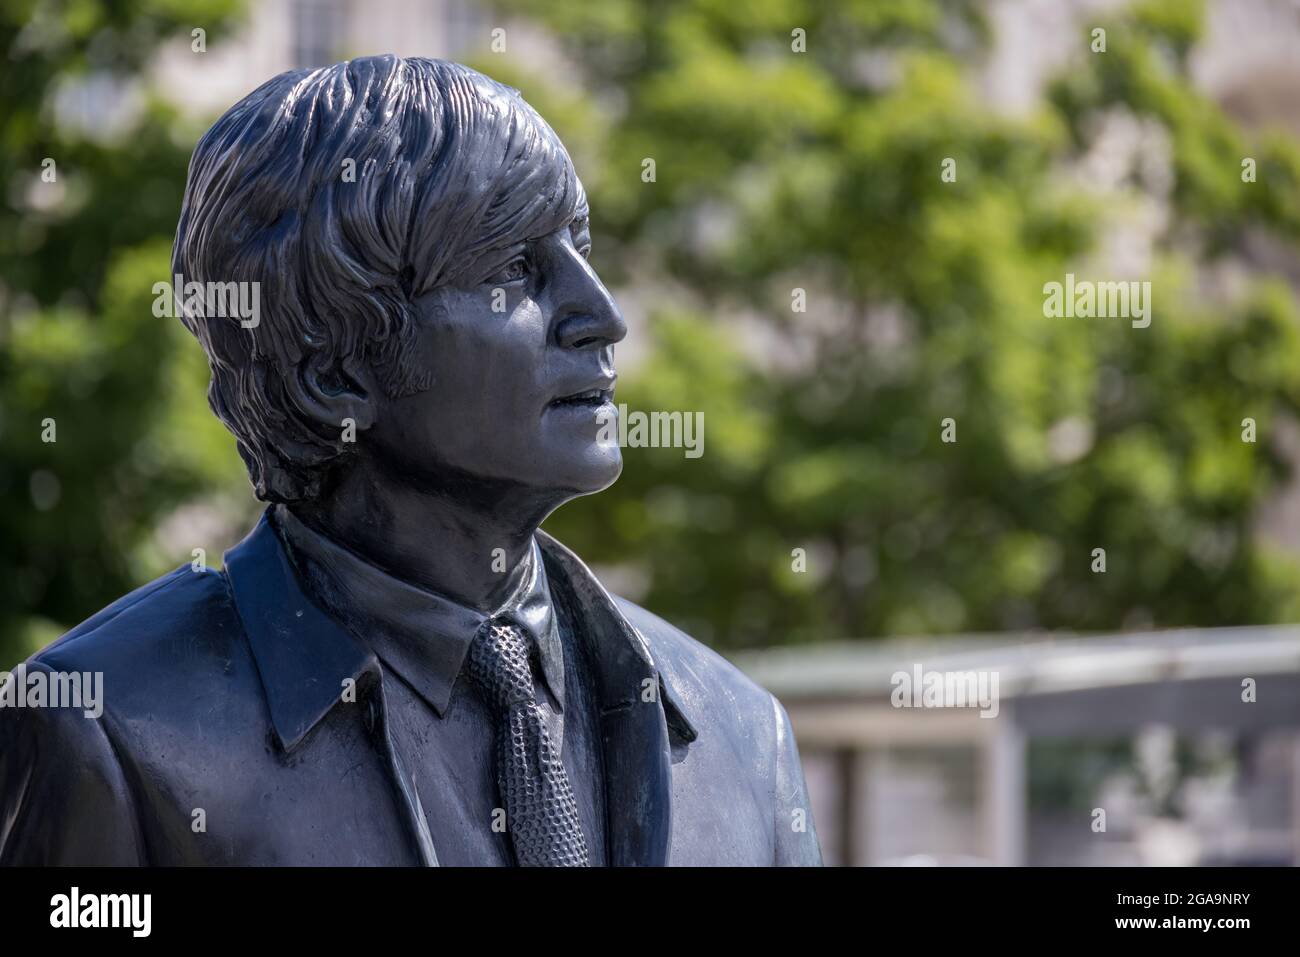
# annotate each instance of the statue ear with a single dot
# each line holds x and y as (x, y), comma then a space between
(332, 389)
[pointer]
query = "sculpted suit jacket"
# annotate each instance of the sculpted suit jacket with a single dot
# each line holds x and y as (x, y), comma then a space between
(225, 737)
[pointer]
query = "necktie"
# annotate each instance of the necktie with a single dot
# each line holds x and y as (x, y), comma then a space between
(541, 813)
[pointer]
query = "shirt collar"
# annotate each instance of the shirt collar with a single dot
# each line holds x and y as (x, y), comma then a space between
(420, 635)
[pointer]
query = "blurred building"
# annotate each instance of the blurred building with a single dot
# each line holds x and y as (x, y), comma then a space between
(1188, 741)
(279, 35)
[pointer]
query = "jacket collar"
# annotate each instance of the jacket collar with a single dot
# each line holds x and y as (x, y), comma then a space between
(304, 657)
(420, 635)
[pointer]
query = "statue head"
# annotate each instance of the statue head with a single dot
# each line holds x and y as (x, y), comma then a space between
(426, 310)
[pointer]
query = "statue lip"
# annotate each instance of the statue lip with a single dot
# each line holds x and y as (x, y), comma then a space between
(598, 393)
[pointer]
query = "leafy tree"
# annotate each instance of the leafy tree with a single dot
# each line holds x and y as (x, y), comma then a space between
(83, 360)
(822, 171)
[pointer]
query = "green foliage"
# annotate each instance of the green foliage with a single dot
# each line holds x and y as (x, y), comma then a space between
(778, 170)
(79, 343)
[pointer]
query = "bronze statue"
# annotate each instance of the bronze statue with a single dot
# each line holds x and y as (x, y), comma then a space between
(396, 666)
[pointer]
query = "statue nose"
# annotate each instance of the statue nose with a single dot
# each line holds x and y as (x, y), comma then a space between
(593, 320)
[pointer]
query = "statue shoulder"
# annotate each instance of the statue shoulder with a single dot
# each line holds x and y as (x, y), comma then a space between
(177, 623)
(693, 667)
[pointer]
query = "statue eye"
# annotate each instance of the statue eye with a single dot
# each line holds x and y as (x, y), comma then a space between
(580, 233)
(514, 271)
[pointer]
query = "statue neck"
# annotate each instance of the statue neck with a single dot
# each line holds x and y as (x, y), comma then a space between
(469, 548)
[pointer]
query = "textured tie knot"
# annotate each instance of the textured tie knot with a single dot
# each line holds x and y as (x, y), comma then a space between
(499, 665)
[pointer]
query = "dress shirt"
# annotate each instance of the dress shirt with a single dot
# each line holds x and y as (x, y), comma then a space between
(443, 731)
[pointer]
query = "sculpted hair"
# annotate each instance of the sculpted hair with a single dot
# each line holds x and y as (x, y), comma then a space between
(449, 165)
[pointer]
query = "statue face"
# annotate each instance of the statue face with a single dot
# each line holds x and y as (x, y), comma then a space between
(520, 354)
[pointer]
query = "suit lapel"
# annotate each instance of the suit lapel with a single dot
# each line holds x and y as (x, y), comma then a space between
(634, 730)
